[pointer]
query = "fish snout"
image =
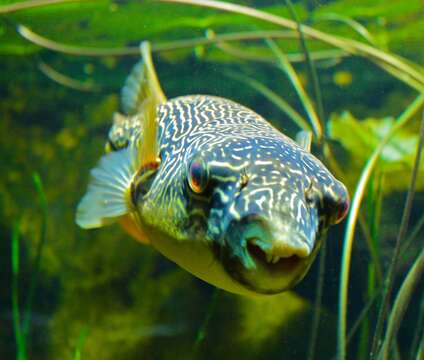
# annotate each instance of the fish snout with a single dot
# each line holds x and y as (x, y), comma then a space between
(265, 259)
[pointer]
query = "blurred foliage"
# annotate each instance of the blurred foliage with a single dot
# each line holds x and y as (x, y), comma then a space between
(360, 137)
(129, 300)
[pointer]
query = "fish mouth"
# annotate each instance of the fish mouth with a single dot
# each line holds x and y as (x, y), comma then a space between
(274, 262)
(265, 263)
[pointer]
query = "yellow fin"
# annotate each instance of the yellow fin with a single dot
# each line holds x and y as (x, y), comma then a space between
(142, 93)
(129, 224)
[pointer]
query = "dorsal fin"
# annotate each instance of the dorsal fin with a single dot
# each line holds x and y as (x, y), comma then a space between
(142, 94)
(109, 192)
(141, 84)
(304, 139)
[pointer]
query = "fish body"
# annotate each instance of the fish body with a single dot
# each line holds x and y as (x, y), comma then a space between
(226, 196)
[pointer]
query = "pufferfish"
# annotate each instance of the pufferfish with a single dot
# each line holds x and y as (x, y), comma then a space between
(213, 187)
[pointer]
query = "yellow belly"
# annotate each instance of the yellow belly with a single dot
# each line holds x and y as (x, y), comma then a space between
(197, 258)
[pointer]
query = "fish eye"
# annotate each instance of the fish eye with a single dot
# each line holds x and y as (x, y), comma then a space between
(310, 197)
(198, 175)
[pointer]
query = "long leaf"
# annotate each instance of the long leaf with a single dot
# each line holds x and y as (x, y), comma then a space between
(38, 253)
(274, 98)
(19, 334)
(353, 24)
(309, 63)
(294, 79)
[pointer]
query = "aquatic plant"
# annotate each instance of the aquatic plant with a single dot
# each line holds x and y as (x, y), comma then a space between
(21, 324)
(380, 156)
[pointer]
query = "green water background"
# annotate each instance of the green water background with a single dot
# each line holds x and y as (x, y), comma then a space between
(111, 298)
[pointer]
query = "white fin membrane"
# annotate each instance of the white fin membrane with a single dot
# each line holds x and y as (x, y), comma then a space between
(107, 195)
(131, 93)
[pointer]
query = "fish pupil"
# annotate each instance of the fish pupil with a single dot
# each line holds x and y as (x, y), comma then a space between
(198, 176)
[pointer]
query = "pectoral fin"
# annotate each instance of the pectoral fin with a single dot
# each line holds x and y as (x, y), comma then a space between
(108, 194)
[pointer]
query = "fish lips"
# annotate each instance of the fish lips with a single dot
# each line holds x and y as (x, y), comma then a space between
(263, 261)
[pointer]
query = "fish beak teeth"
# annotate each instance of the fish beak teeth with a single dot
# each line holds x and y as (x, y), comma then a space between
(275, 259)
(272, 258)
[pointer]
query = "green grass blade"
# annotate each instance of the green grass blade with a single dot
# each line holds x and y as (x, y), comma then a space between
(80, 344)
(353, 24)
(401, 303)
(352, 220)
(277, 100)
(320, 109)
(390, 278)
(49, 44)
(222, 42)
(64, 80)
(369, 240)
(294, 79)
(419, 330)
(309, 64)
(417, 228)
(201, 333)
(42, 41)
(38, 255)
(317, 305)
(19, 336)
(420, 352)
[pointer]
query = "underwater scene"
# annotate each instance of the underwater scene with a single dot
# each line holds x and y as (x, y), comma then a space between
(207, 179)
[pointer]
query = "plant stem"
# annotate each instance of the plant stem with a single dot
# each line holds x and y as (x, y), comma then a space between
(19, 336)
(201, 334)
(46, 43)
(274, 98)
(317, 305)
(309, 63)
(419, 330)
(80, 344)
(39, 250)
(285, 65)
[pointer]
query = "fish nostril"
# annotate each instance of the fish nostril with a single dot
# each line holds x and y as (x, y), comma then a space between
(255, 251)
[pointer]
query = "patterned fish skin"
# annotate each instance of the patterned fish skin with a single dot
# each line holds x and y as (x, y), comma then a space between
(266, 203)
